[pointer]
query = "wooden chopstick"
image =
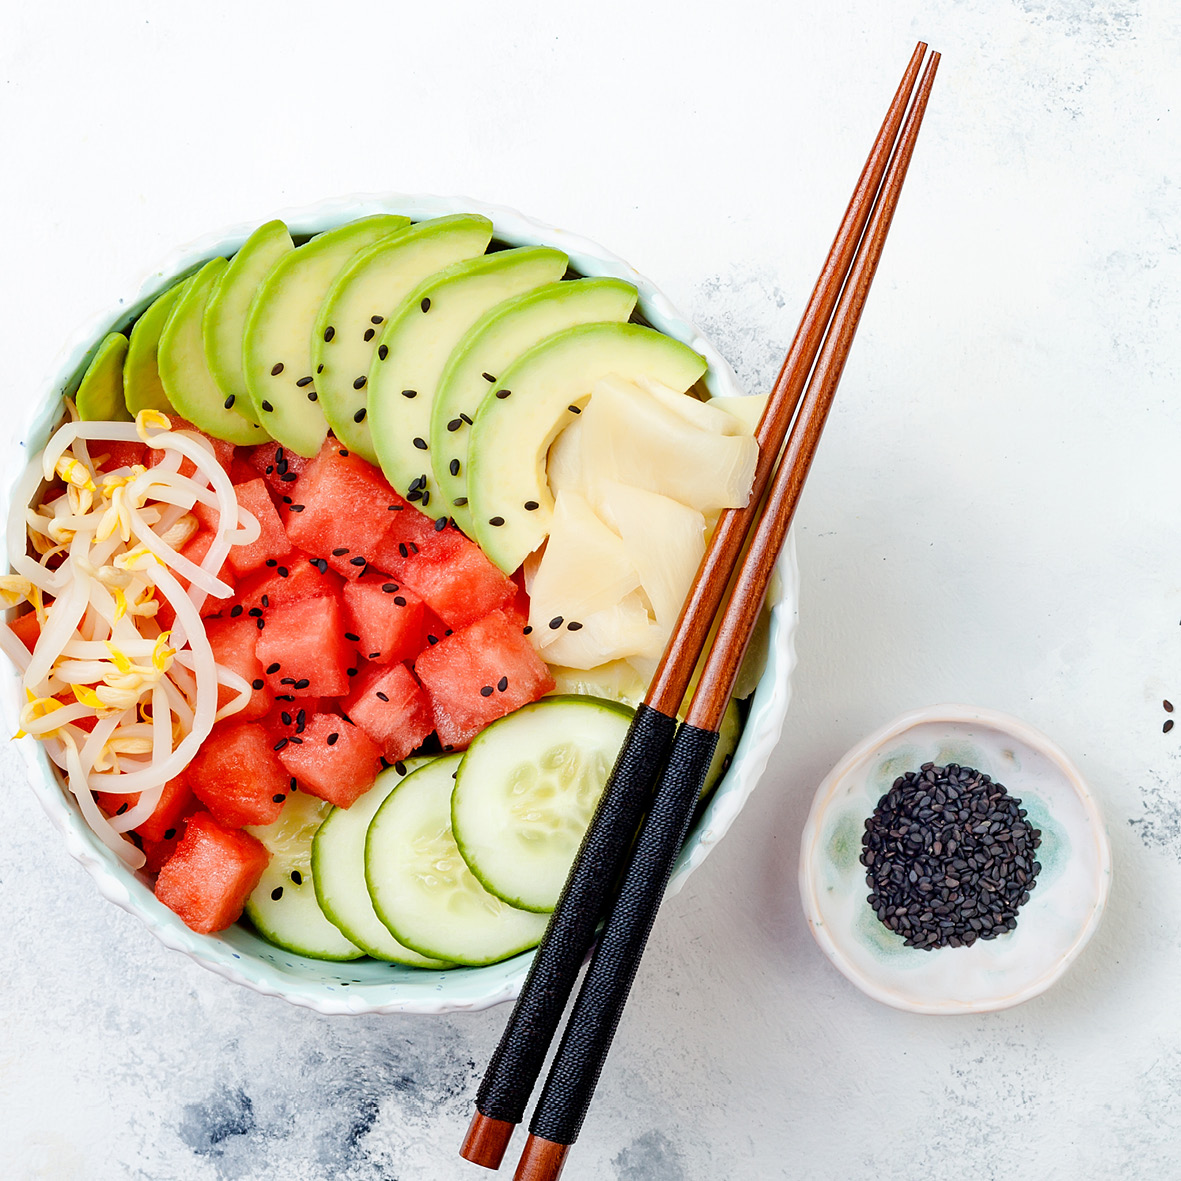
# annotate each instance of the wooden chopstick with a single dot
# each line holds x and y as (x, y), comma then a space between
(517, 1061)
(577, 1065)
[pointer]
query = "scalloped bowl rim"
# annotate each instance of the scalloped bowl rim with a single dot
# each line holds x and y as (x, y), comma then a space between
(827, 792)
(429, 993)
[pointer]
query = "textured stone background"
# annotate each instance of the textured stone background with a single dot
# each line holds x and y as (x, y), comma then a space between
(993, 518)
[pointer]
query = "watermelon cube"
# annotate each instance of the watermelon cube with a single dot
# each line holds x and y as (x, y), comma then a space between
(211, 874)
(236, 775)
(451, 575)
(176, 801)
(278, 466)
(303, 648)
(272, 540)
(392, 708)
(233, 641)
(335, 760)
(195, 550)
(479, 674)
(340, 502)
(291, 578)
(119, 454)
(385, 620)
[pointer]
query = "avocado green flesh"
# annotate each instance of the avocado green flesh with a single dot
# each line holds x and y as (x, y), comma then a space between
(488, 349)
(187, 382)
(511, 436)
(142, 388)
(363, 297)
(225, 314)
(277, 343)
(100, 396)
(418, 341)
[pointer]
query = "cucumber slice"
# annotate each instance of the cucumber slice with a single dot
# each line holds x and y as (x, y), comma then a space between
(142, 388)
(224, 323)
(100, 396)
(422, 888)
(527, 788)
(496, 340)
(729, 732)
(283, 906)
(338, 871)
(363, 296)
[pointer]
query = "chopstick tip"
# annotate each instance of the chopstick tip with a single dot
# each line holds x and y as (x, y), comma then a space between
(541, 1160)
(486, 1141)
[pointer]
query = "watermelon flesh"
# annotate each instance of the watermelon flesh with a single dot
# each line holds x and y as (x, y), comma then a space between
(234, 641)
(210, 875)
(303, 649)
(385, 618)
(272, 539)
(237, 777)
(392, 708)
(333, 759)
(176, 801)
(290, 579)
(479, 674)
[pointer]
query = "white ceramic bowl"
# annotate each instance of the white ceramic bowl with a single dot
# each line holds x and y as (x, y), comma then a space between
(1053, 927)
(238, 954)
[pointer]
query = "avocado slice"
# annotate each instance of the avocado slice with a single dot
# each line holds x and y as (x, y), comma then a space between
(277, 342)
(142, 389)
(497, 339)
(184, 373)
(363, 296)
(509, 497)
(100, 396)
(415, 346)
(225, 314)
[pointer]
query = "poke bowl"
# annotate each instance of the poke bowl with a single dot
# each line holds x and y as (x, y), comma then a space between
(367, 985)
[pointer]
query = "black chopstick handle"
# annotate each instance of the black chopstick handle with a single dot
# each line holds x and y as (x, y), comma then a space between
(514, 1067)
(575, 1071)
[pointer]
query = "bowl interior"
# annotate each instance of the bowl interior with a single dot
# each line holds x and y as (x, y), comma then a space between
(367, 985)
(1064, 907)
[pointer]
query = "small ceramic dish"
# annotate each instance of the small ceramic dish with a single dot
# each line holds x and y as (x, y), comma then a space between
(1053, 927)
(367, 986)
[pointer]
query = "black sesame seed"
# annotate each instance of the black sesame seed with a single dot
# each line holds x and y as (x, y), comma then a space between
(329, 332)
(360, 415)
(460, 500)
(418, 482)
(286, 499)
(530, 505)
(358, 561)
(432, 640)
(340, 551)
(122, 808)
(304, 381)
(454, 425)
(502, 684)
(382, 696)
(453, 467)
(410, 393)
(419, 443)
(257, 683)
(440, 524)
(526, 630)
(489, 377)
(343, 453)
(374, 655)
(278, 799)
(376, 319)
(301, 717)
(297, 741)
(466, 419)
(277, 368)
(574, 626)
(255, 611)
(369, 333)
(302, 683)
(296, 508)
(277, 893)
(285, 718)
(426, 304)
(413, 494)
(320, 368)
(229, 402)
(272, 562)
(502, 394)
(283, 572)
(402, 549)
(1167, 726)
(1168, 706)
(359, 384)
(495, 520)
(352, 672)
(266, 600)
(267, 407)
(332, 738)
(169, 833)
(399, 601)
(389, 587)
(426, 499)
(290, 477)
(280, 744)
(574, 409)
(555, 623)
(287, 681)
(236, 610)
(487, 691)
(297, 877)
(356, 639)
(261, 623)
(400, 767)
(382, 352)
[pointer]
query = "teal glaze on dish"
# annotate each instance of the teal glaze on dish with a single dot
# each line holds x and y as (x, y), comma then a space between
(1064, 908)
(238, 954)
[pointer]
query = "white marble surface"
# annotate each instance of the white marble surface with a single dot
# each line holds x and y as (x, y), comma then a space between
(993, 518)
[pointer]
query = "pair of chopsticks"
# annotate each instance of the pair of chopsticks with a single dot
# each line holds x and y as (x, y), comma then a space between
(661, 767)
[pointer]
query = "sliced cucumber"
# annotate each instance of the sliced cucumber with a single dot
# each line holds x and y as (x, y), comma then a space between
(729, 731)
(497, 339)
(422, 888)
(100, 396)
(283, 906)
(142, 388)
(526, 791)
(338, 869)
(363, 296)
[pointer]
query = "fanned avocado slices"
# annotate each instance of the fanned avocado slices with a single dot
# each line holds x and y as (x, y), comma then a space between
(100, 396)
(277, 344)
(224, 324)
(414, 348)
(142, 388)
(185, 374)
(545, 388)
(490, 346)
(363, 297)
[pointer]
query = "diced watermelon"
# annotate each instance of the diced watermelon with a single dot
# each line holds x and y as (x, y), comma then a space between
(289, 718)
(278, 466)
(119, 454)
(452, 575)
(236, 775)
(385, 618)
(293, 577)
(26, 629)
(410, 533)
(234, 646)
(241, 472)
(392, 708)
(463, 675)
(223, 451)
(340, 502)
(211, 874)
(195, 550)
(272, 540)
(305, 643)
(158, 852)
(520, 603)
(175, 801)
(336, 760)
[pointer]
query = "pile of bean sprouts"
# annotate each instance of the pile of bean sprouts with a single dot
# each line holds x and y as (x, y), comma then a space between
(96, 559)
